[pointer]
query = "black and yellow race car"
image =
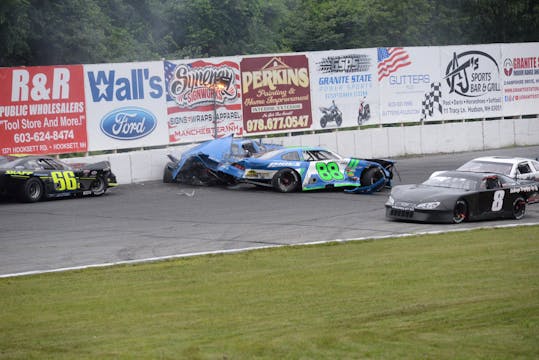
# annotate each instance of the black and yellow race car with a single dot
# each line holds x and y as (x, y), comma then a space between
(33, 178)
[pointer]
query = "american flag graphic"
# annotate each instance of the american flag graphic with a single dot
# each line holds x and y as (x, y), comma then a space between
(390, 60)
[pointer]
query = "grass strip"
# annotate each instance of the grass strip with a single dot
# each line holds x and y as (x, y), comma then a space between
(465, 295)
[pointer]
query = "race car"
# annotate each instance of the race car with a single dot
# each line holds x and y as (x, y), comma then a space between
(515, 167)
(311, 168)
(199, 165)
(457, 196)
(33, 178)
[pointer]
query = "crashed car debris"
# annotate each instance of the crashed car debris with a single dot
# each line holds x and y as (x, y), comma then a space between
(285, 169)
(200, 165)
(33, 178)
(457, 196)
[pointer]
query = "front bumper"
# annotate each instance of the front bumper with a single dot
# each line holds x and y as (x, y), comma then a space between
(411, 214)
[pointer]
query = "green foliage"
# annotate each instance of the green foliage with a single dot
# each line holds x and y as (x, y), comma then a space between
(461, 295)
(45, 32)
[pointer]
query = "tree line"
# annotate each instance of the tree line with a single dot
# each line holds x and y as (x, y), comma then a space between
(49, 32)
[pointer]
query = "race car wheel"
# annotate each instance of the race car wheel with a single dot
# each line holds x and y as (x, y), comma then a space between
(371, 176)
(167, 175)
(460, 211)
(519, 208)
(286, 180)
(32, 190)
(98, 186)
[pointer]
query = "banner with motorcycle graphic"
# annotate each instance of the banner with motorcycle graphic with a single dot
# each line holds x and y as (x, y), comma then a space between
(42, 110)
(125, 105)
(471, 81)
(344, 88)
(520, 63)
(409, 84)
(276, 94)
(203, 99)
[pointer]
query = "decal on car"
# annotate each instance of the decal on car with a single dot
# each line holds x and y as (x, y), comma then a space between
(64, 180)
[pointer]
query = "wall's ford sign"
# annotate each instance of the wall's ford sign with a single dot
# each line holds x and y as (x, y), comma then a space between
(128, 123)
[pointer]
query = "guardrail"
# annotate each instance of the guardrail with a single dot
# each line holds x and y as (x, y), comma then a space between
(380, 142)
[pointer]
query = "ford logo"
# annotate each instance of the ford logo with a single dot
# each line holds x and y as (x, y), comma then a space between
(128, 123)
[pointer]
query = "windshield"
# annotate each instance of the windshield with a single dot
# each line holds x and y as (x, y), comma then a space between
(9, 162)
(487, 166)
(451, 182)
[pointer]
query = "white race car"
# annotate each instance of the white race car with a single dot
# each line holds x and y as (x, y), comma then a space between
(515, 167)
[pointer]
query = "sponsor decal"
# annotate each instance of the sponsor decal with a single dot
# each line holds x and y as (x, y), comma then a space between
(128, 123)
(345, 64)
(19, 172)
(108, 86)
(526, 188)
(192, 86)
(472, 74)
(42, 110)
(203, 99)
(284, 164)
(276, 93)
(508, 67)
(390, 60)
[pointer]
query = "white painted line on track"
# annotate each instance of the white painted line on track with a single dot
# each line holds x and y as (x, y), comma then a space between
(232, 251)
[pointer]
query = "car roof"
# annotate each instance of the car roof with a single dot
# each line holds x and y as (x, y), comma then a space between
(502, 159)
(468, 174)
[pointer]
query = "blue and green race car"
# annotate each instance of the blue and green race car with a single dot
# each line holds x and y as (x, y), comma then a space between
(312, 168)
(285, 169)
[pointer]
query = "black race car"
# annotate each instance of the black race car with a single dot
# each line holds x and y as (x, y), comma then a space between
(456, 196)
(32, 178)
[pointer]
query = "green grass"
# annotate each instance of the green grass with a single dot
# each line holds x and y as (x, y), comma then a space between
(468, 295)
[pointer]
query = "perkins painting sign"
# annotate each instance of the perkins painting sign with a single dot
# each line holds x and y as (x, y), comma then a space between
(276, 94)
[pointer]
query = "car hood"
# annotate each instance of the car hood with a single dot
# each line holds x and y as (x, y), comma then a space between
(424, 193)
(211, 152)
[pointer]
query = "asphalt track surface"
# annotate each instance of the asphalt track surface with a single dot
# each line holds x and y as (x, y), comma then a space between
(156, 220)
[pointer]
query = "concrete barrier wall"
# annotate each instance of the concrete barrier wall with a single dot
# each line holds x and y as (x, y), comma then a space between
(385, 142)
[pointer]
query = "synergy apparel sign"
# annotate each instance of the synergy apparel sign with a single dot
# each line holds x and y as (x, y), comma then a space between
(203, 99)
(42, 110)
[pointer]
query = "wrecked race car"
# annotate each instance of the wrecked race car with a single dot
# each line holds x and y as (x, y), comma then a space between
(201, 165)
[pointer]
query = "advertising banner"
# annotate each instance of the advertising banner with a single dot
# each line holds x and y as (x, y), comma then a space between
(125, 105)
(203, 99)
(520, 76)
(344, 88)
(409, 84)
(471, 81)
(42, 110)
(276, 94)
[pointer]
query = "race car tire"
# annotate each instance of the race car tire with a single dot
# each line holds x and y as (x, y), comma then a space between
(167, 175)
(32, 190)
(519, 208)
(286, 181)
(460, 211)
(98, 186)
(371, 176)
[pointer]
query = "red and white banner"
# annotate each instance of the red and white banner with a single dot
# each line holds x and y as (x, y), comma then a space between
(42, 110)
(520, 63)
